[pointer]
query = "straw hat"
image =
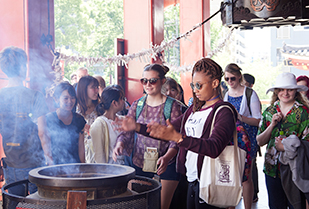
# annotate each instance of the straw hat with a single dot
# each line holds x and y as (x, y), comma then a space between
(287, 81)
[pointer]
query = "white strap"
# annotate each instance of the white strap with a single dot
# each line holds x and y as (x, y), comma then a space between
(236, 156)
(213, 122)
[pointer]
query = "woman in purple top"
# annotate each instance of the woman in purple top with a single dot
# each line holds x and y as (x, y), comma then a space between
(152, 109)
(191, 131)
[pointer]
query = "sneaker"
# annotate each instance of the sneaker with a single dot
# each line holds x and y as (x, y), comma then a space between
(255, 198)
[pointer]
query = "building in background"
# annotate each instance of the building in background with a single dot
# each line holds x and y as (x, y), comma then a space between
(290, 42)
(240, 47)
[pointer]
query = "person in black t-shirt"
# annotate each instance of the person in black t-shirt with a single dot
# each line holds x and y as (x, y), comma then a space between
(65, 127)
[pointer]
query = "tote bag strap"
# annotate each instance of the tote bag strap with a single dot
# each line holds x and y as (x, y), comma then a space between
(213, 122)
(236, 156)
(107, 140)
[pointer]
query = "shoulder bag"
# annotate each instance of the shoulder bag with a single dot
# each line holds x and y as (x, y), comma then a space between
(221, 177)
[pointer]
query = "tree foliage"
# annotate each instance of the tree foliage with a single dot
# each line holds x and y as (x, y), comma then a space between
(258, 68)
(172, 30)
(88, 28)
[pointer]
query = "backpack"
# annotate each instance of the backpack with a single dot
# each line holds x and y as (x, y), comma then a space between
(166, 111)
(140, 105)
(248, 94)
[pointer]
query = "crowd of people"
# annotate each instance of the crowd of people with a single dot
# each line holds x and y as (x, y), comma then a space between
(158, 134)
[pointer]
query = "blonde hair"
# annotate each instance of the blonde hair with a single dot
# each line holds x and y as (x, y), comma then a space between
(298, 97)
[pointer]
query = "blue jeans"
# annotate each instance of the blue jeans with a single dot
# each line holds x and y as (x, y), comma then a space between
(17, 174)
(276, 195)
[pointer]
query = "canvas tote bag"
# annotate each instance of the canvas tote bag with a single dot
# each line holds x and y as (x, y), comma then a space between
(221, 177)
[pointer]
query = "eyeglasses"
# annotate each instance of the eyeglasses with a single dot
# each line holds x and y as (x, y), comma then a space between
(152, 81)
(198, 86)
(232, 79)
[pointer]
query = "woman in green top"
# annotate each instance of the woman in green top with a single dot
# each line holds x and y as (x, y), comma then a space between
(288, 114)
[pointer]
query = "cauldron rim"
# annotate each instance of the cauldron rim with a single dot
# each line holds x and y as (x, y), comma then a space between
(37, 178)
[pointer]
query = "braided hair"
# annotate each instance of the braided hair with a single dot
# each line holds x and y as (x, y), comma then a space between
(210, 68)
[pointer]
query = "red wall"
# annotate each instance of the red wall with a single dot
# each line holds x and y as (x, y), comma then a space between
(143, 24)
(12, 28)
(198, 43)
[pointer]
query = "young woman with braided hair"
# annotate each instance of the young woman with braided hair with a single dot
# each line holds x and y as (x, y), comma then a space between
(191, 131)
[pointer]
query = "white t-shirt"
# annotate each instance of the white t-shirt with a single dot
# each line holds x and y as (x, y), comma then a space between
(194, 127)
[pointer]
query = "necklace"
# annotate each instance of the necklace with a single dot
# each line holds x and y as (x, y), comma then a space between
(206, 105)
(237, 91)
(213, 98)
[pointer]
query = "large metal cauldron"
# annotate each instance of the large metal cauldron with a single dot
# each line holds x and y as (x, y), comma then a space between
(99, 180)
(107, 186)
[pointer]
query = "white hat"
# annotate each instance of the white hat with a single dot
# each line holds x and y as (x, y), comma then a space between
(287, 81)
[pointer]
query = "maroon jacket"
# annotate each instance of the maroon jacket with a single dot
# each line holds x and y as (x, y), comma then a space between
(212, 146)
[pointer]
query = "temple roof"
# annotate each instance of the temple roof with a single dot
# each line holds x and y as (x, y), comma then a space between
(300, 52)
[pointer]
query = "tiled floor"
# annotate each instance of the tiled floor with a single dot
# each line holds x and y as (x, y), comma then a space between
(262, 203)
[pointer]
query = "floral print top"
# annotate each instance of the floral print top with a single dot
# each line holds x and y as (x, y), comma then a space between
(90, 118)
(139, 146)
(251, 130)
(243, 138)
(295, 122)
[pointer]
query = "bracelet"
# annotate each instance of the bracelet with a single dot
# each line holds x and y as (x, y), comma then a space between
(181, 139)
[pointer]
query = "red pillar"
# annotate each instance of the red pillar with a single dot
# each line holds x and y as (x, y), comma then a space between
(143, 24)
(12, 28)
(40, 57)
(198, 44)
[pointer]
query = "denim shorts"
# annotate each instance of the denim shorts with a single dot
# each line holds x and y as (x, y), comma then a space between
(17, 174)
(169, 174)
(12, 175)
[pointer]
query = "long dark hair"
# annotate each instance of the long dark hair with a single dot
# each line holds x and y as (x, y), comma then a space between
(109, 95)
(172, 83)
(82, 96)
(61, 88)
(210, 68)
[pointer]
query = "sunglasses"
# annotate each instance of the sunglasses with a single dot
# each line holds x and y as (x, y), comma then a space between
(228, 78)
(151, 81)
(198, 86)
